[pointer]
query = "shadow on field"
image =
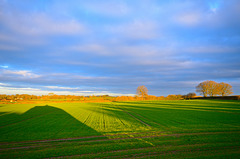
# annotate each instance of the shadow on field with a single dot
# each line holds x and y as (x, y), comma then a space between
(215, 104)
(40, 123)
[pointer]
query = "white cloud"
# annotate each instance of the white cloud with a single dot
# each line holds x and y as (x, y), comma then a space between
(85, 91)
(43, 24)
(27, 90)
(58, 87)
(90, 77)
(22, 73)
(4, 66)
(39, 91)
(3, 84)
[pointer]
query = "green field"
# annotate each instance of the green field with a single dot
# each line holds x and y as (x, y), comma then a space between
(146, 129)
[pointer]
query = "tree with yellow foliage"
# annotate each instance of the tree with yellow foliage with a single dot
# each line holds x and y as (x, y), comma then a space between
(213, 88)
(142, 91)
(224, 89)
(202, 88)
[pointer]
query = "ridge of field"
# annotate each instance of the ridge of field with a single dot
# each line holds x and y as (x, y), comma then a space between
(142, 129)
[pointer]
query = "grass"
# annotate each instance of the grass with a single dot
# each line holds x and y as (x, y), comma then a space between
(145, 129)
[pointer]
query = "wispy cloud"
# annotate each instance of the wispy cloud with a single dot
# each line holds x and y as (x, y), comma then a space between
(213, 49)
(4, 37)
(3, 84)
(60, 88)
(189, 18)
(21, 73)
(40, 24)
(136, 29)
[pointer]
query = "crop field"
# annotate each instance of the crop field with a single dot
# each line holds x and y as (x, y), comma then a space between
(139, 129)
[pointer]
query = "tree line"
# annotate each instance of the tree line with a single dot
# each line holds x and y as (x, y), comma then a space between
(52, 97)
(26, 98)
(206, 88)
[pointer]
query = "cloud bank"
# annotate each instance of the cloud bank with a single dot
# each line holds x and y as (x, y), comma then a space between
(112, 47)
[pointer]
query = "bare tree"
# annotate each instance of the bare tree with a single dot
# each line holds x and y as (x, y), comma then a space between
(224, 89)
(142, 91)
(191, 95)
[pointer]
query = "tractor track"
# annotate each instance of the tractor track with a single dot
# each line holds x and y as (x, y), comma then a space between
(134, 116)
(109, 139)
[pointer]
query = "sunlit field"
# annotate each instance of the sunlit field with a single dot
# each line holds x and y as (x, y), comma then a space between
(142, 129)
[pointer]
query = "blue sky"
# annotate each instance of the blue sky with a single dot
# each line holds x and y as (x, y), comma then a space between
(113, 46)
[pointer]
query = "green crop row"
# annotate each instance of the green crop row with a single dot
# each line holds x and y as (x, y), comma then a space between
(145, 129)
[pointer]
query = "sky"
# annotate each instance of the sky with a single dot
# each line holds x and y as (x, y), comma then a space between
(94, 47)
